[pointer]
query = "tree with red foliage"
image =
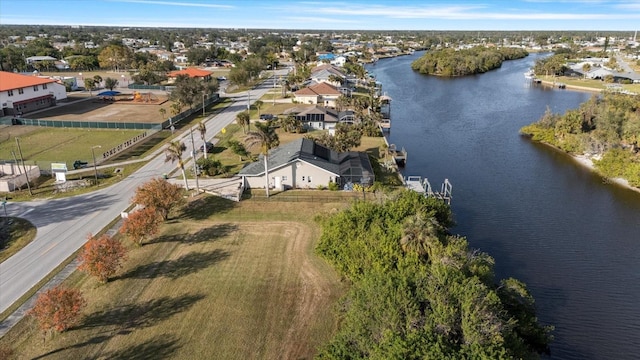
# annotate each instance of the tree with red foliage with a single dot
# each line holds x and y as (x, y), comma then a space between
(141, 224)
(102, 257)
(160, 195)
(58, 308)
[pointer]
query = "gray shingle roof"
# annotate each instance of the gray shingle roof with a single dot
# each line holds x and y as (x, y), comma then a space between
(351, 165)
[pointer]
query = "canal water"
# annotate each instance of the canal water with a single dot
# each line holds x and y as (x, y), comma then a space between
(545, 219)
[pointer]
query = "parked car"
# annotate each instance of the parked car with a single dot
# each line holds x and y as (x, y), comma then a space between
(79, 164)
(221, 78)
(209, 147)
(267, 117)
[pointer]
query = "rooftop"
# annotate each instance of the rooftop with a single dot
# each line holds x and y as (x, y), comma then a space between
(11, 81)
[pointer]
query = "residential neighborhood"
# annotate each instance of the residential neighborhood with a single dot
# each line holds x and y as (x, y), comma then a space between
(199, 193)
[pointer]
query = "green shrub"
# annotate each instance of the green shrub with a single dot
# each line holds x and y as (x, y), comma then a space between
(333, 186)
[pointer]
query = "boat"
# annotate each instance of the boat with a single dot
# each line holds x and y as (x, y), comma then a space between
(530, 74)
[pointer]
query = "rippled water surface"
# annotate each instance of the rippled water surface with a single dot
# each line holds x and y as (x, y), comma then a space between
(546, 220)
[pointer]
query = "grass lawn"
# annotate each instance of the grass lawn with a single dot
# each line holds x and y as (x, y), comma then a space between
(15, 233)
(46, 145)
(222, 280)
(588, 83)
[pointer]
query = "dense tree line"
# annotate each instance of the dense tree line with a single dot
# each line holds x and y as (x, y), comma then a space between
(451, 62)
(419, 292)
(606, 127)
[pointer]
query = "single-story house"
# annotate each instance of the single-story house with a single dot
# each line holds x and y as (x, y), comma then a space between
(320, 117)
(24, 93)
(190, 72)
(321, 93)
(304, 164)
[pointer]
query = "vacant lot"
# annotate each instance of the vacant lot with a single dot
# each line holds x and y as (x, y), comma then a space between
(144, 110)
(222, 281)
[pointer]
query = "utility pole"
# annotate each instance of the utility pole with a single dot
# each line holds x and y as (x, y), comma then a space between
(95, 167)
(195, 166)
(26, 174)
(249, 100)
(203, 94)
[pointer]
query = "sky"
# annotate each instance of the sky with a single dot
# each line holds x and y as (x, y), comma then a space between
(598, 15)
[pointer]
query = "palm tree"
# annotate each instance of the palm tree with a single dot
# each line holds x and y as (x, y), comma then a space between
(202, 128)
(174, 152)
(420, 234)
(586, 67)
(266, 138)
(258, 104)
(243, 120)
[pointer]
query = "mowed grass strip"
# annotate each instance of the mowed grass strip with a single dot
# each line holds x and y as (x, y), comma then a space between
(62, 144)
(215, 284)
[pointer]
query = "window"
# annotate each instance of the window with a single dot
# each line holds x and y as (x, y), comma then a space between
(308, 178)
(284, 178)
(303, 178)
(10, 92)
(35, 87)
(44, 86)
(20, 91)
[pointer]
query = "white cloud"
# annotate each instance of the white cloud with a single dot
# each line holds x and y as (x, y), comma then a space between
(311, 20)
(475, 12)
(175, 3)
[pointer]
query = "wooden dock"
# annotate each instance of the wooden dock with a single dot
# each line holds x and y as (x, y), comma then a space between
(385, 125)
(385, 113)
(399, 156)
(422, 186)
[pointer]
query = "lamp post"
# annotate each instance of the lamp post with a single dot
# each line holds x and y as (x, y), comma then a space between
(203, 95)
(95, 167)
(249, 100)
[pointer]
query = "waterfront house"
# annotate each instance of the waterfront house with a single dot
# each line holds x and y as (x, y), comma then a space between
(320, 117)
(321, 93)
(303, 164)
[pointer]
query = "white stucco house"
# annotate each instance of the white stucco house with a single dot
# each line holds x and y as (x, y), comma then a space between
(321, 94)
(20, 94)
(303, 164)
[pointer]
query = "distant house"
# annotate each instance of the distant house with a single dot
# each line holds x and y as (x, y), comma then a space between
(59, 64)
(339, 61)
(304, 164)
(190, 72)
(326, 73)
(322, 93)
(24, 93)
(319, 117)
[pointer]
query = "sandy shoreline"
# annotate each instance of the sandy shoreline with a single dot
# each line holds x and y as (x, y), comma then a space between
(587, 162)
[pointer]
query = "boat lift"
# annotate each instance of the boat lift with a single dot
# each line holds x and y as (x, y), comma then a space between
(423, 186)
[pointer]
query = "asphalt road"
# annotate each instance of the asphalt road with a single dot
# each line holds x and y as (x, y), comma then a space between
(64, 224)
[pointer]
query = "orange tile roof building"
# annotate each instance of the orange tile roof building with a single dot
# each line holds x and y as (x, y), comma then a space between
(191, 72)
(321, 94)
(20, 94)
